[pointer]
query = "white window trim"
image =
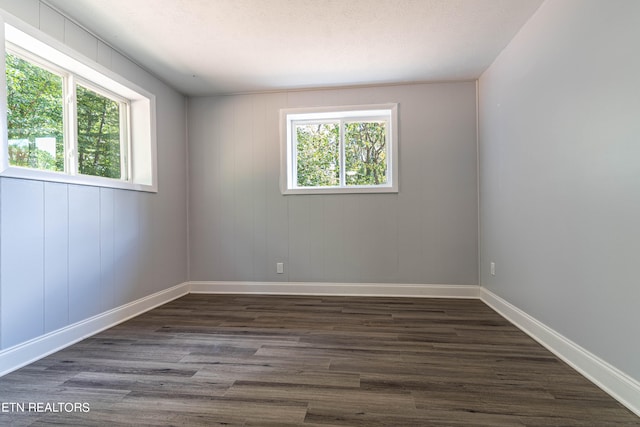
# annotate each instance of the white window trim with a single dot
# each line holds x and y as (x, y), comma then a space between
(288, 174)
(141, 144)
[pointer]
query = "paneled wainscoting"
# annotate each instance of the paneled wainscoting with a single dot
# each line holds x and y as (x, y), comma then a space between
(311, 360)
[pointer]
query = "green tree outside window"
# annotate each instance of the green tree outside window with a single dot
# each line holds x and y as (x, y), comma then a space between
(98, 134)
(34, 113)
(35, 122)
(318, 154)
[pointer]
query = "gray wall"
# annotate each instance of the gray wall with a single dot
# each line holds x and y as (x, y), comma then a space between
(560, 174)
(240, 224)
(68, 252)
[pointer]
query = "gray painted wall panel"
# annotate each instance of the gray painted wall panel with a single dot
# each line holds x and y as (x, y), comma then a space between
(259, 188)
(228, 268)
(242, 175)
(378, 238)
(559, 134)
(56, 256)
(80, 40)
(236, 207)
(26, 10)
(84, 252)
(208, 159)
(104, 54)
(126, 246)
(51, 22)
(333, 245)
(107, 249)
(300, 222)
(352, 246)
(22, 263)
(123, 66)
(316, 236)
(146, 239)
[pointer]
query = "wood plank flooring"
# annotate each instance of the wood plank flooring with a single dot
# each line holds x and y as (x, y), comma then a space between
(311, 361)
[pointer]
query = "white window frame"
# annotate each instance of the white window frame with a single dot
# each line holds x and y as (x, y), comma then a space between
(138, 119)
(289, 117)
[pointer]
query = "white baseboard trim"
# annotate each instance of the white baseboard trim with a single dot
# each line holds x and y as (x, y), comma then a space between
(29, 351)
(337, 289)
(614, 382)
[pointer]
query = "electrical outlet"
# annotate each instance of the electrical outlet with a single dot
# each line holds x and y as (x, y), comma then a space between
(280, 267)
(493, 268)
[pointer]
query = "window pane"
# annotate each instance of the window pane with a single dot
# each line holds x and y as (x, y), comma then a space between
(98, 134)
(34, 115)
(365, 147)
(318, 154)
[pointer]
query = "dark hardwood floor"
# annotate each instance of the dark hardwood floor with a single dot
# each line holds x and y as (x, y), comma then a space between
(284, 361)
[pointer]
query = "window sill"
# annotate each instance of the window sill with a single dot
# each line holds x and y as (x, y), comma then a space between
(94, 181)
(340, 190)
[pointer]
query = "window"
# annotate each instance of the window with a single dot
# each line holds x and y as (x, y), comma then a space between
(36, 119)
(35, 115)
(70, 120)
(339, 150)
(102, 136)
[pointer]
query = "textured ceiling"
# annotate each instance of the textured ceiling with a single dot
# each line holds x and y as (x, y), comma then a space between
(204, 47)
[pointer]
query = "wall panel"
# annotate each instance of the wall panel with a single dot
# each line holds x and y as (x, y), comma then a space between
(126, 247)
(107, 248)
(27, 10)
(56, 256)
(419, 235)
(51, 22)
(260, 173)
(84, 252)
(242, 175)
(22, 260)
(80, 40)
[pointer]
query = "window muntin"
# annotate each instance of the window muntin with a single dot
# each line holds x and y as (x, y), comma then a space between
(337, 150)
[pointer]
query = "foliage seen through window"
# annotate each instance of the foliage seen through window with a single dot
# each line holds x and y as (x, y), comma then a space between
(34, 115)
(98, 134)
(318, 153)
(36, 122)
(365, 153)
